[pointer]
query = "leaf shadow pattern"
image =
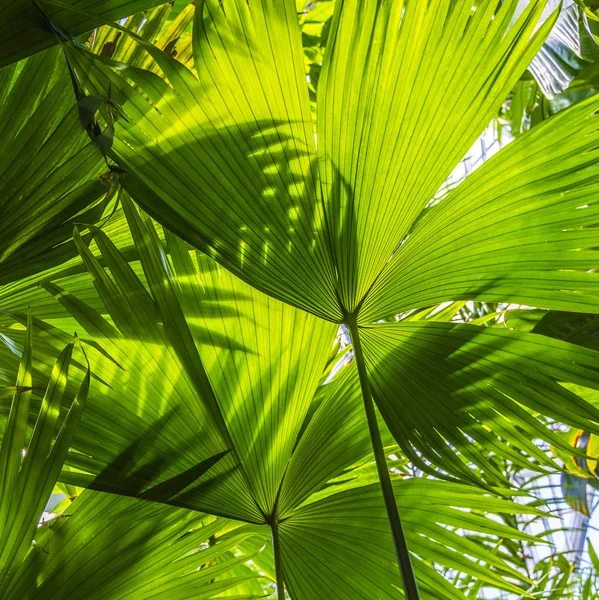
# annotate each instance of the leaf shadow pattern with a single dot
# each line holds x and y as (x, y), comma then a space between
(50, 172)
(174, 447)
(450, 391)
(260, 159)
(342, 235)
(276, 232)
(264, 389)
(220, 374)
(127, 548)
(141, 470)
(147, 354)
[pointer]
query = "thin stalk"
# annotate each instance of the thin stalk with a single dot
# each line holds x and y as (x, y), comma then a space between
(276, 547)
(399, 539)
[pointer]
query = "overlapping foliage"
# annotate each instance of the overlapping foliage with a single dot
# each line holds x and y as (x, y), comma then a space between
(204, 218)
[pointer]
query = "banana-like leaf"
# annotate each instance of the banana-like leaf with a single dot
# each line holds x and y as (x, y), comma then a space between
(575, 492)
(110, 547)
(30, 465)
(565, 50)
(25, 31)
(50, 171)
(584, 85)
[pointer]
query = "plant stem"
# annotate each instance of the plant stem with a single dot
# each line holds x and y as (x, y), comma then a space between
(399, 539)
(276, 547)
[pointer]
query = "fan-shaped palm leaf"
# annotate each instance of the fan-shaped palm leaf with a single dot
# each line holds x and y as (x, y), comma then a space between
(281, 453)
(343, 225)
(50, 171)
(111, 547)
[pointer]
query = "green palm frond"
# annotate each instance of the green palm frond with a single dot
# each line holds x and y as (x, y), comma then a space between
(50, 173)
(280, 459)
(251, 376)
(350, 529)
(287, 207)
(114, 547)
(31, 464)
(24, 30)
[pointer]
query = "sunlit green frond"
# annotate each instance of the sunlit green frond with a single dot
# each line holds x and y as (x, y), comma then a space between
(340, 547)
(335, 439)
(315, 20)
(208, 365)
(160, 26)
(153, 421)
(123, 48)
(245, 126)
(577, 328)
(263, 358)
(444, 387)
(109, 547)
(520, 229)
(30, 464)
(293, 188)
(49, 172)
(405, 91)
(248, 134)
(72, 276)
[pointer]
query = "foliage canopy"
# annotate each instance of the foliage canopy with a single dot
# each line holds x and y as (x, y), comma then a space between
(202, 195)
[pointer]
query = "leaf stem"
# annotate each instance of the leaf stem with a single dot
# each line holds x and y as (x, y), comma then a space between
(399, 539)
(276, 547)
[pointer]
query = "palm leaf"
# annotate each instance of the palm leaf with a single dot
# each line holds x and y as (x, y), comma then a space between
(526, 240)
(50, 174)
(227, 160)
(106, 546)
(237, 331)
(236, 366)
(351, 531)
(267, 358)
(24, 30)
(272, 137)
(252, 144)
(484, 388)
(29, 467)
